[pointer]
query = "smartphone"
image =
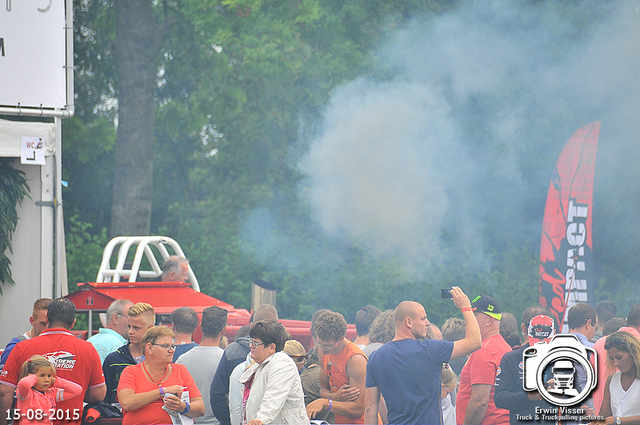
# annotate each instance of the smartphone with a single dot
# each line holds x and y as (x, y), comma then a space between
(446, 293)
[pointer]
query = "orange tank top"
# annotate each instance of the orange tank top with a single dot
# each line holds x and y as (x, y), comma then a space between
(335, 366)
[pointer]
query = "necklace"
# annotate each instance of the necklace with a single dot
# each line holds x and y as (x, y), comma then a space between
(159, 381)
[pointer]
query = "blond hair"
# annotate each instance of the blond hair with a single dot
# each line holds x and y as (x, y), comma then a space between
(449, 377)
(34, 363)
(139, 309)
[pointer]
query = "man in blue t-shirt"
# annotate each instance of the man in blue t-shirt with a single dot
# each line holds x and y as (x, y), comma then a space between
(407, 370)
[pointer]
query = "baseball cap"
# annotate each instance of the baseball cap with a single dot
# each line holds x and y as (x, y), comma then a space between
(486, 305)
(541, 328)
(295, 350)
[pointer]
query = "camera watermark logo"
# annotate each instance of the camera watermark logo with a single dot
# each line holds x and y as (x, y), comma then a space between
(554, 370)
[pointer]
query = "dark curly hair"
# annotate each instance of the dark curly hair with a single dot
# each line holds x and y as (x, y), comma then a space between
(330, 326)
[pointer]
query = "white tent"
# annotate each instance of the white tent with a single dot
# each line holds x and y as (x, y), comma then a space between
(38, 264)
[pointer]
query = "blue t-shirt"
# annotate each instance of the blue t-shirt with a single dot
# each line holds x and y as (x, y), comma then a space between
(408, 374)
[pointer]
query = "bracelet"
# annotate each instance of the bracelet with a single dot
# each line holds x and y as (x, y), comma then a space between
(330, 404)
(466, 309)
(186, 409)
(162, 391)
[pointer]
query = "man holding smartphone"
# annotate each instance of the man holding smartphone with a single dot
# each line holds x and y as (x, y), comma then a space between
(406, 371)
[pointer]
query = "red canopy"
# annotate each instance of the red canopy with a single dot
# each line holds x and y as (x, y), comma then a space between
(165, 297)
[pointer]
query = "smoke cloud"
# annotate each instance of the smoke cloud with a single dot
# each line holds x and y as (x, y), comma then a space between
(378, 138)
(453, 153)
(438, 160)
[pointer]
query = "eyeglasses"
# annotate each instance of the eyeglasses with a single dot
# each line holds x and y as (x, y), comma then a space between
(168, 347)
(253, 343)
(328, 346)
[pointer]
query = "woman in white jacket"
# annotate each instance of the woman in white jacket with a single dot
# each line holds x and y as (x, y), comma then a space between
(272, 388)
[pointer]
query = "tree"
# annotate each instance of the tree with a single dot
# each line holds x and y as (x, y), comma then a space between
(137, 44)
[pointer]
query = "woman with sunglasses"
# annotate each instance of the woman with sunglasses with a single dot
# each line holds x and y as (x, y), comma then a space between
(150, 390)
(272, 388)
(621, 402)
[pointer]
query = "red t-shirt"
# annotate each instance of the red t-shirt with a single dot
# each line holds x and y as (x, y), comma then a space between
(74, 359)
(335, 366)
(153, 413)
(482, 368)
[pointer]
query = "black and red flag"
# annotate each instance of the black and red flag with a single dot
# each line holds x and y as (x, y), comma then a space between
(566, 247)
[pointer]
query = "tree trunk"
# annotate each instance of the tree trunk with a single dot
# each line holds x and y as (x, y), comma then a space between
(136, 49)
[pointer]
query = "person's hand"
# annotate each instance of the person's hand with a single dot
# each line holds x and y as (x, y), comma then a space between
(316, 406)
(588, 410)
(174, 403)
(255, 422)
(347, 393)
(459, 298)
(175, 389)
(54, 376)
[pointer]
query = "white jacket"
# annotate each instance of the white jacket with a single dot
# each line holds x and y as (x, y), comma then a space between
(276, 395)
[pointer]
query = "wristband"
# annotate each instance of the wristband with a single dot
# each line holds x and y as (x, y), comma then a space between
(186, 409)
(162, 391)
(466, 309)
(330, 404)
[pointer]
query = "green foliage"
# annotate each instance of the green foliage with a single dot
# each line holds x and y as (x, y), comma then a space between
(13, 189)
(84, 251)
(241, 84)
(88, 169)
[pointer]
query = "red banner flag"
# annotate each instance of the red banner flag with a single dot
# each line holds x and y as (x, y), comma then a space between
(566, 245)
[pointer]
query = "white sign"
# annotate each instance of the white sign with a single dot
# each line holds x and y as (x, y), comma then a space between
(32, 53)
(32, 150)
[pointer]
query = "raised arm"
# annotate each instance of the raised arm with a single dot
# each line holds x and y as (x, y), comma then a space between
(67, 390)
(472, 339)
(24, 386)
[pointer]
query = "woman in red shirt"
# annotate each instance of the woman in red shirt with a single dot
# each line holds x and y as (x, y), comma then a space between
(150, 390)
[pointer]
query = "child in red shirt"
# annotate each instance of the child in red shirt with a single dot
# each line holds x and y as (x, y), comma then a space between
(37, 395)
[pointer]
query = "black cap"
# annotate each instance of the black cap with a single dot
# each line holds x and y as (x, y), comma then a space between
(486, 305)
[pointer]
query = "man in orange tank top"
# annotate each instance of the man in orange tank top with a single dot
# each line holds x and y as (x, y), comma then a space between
(344, 371)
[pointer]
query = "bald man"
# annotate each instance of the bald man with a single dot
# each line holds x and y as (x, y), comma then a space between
(406, 371)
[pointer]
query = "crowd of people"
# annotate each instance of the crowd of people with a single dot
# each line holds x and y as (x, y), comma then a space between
(400, 369)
